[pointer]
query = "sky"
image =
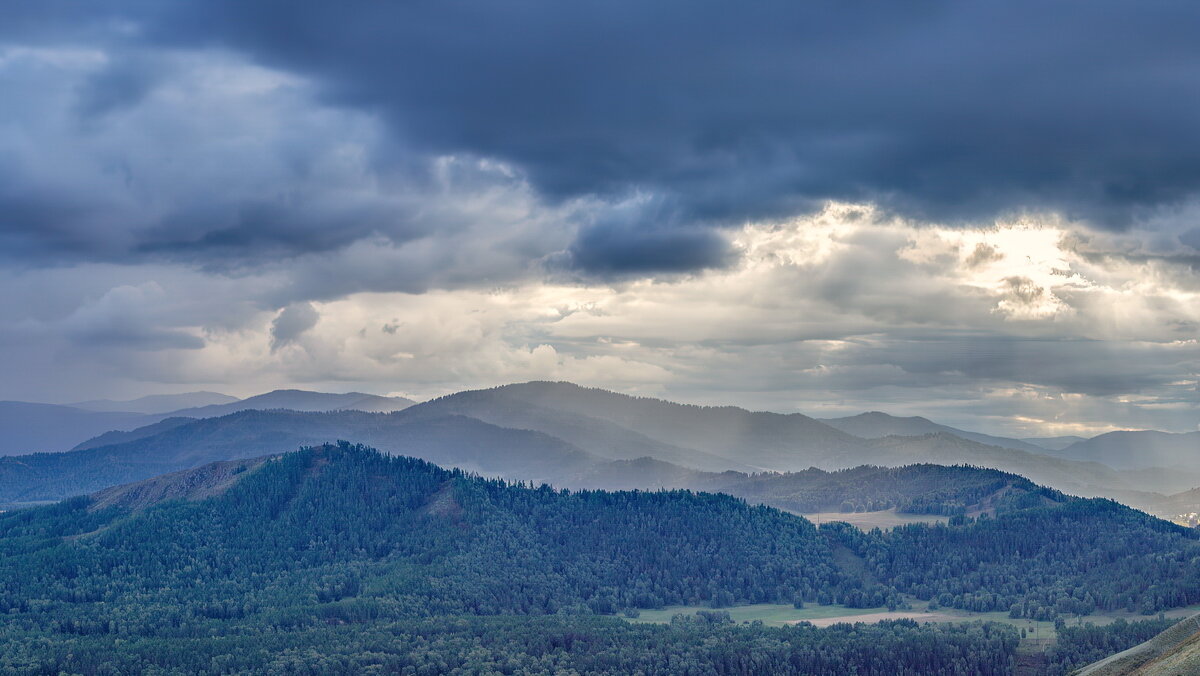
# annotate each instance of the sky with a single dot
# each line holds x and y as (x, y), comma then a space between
(984, 213)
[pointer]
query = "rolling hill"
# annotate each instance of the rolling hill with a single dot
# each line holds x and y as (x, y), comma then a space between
(758, 440)
(35, 428)
(633, 427)
(912, 489)
(300, 400)
(255, 560)
(337, 559)
(1054, 443)
(450, 440)
(1174, 652)
(1138, 449)
(572, 432)
(876, 425)
(157, 403)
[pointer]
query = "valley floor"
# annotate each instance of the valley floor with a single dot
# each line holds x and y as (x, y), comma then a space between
(824, 616)
(885, 519)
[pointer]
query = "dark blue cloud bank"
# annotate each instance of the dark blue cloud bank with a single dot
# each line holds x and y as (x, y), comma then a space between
(238, 195)
(950, 111)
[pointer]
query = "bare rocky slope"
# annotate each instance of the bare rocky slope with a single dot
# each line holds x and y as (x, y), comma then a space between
(1175, 652)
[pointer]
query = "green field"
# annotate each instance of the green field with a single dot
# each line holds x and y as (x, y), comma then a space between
(779, 615)
(885, 519)
(767, 613)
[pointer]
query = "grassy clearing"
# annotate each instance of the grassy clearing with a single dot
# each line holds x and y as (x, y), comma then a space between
(779, 615)
(767, 613)
(885, 519)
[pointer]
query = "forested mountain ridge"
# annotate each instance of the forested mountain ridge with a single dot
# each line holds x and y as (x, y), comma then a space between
(913, 489)
(620, 426)
(282, 553)
(198, 483)
(527, 451)
(1038, 547)
(450, 440)
(355, 521)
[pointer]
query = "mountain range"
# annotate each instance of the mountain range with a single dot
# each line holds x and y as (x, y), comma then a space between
(558, 433)
(567, 435)
(254, 564)
(876, 424)
(27, 428)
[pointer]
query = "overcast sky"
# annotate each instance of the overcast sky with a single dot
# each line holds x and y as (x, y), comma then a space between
(987, 213)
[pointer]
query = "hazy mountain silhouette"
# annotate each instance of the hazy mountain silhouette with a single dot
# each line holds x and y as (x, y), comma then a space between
(876, 425)
(157, 403)
(454, 441)
(1138, 449)
(1054, 443)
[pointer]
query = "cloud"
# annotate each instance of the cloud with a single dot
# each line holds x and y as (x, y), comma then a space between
(842, 311)
(124, 317)
(626, 249)
(633, 195)
(946, 111)
(292, 321)
(201, 132)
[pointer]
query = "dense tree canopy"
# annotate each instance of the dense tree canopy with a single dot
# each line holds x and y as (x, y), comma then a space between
(432, 567)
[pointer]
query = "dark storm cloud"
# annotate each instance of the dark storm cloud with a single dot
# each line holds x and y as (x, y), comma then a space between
(625, 249)
(121, 84)
(292, 321)
(946, 108)
(937, 109)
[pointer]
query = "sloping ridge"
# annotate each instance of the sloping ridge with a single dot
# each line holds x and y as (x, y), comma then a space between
(762, 440)
(876, 425)
(197, 483)
(450, 440)
(1174, 652)
(1134, 449)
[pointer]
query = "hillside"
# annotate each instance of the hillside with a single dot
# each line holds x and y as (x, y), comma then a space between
(722, 438)
(876, 425)
(592, 433)
(198, 483)
(27, 428)
(759, 440)
(451, 440)
(157, 403)
(1138, 449)
(1076, 477)
(912, 489)
(301, 400)
(420, 562)
(1174, 652)
(252, 560)
(563, 444)
(1054, 443)
(121, 436)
